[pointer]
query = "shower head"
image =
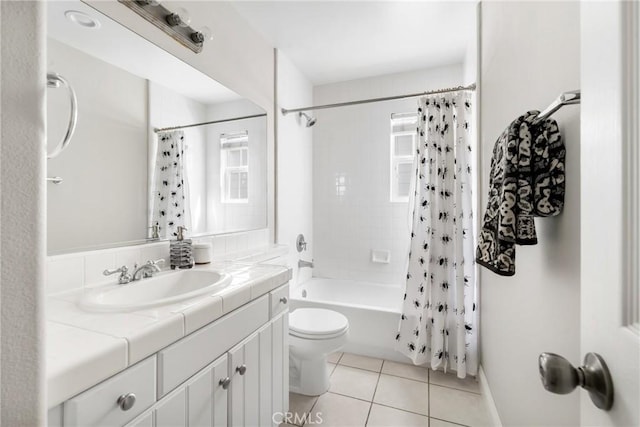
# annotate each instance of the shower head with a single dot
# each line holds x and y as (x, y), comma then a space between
(310, 119)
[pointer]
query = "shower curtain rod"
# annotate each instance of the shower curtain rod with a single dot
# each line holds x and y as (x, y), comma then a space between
(387, 98)
(156, 130)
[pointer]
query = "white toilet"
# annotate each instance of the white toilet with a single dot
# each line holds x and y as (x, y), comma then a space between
(314, 333)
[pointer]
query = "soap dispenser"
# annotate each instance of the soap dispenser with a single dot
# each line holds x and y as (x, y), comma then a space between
(180, 251)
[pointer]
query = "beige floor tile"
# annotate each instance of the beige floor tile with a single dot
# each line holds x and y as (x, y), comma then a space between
(334, 357)
(383, 416)
(334, 410)
(451, 380)
(457, 406)
(300, 405)
(353, 382)
(362, 362)
(403, 393)
(406, 371)
(434, 422)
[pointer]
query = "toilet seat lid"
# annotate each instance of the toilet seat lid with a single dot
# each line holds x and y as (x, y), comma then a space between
(317, 322)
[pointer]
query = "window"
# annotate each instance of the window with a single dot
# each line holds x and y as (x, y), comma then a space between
(234, 167)
(403, 148)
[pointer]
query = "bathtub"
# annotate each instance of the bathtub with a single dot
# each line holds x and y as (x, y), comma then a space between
(373, 311)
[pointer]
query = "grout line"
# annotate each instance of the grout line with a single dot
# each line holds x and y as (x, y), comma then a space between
(375, 390)
(457, 389)
(447, 421)
(400, 409)
(346, 395)
(429, 397)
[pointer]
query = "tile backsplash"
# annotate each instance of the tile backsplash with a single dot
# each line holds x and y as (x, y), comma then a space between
(78, 269)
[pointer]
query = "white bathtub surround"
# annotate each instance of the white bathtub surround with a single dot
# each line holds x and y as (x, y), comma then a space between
(373, 311)
(438, 323)
(106, 343)
(354, 219)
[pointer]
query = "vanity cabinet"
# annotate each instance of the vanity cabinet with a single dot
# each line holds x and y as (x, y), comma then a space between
(220, 375)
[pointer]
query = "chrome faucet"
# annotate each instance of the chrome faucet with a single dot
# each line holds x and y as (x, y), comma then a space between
(303, 263)
(124, 278)
(147, 270)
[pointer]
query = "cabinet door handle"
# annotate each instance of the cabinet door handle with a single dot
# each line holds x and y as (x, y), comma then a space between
(241, 369)
(126, 401)
(225, 383)
(284, 300)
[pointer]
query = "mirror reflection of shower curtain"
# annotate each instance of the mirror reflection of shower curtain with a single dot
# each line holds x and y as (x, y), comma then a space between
(438, 322)
(170, 197)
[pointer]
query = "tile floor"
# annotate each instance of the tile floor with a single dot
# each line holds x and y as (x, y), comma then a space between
(373, 392)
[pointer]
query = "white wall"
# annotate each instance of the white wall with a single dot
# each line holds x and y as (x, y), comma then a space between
(111, 133)
(22, 214)
(530, 53)
(354, 142)
(295, 188)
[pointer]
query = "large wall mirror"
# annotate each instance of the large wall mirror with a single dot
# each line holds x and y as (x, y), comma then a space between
(124, 178)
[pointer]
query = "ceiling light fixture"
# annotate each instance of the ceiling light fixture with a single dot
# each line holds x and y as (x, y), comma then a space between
(82, 19)
(174, 23)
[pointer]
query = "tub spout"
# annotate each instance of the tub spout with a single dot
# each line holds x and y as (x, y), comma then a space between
(303, 263)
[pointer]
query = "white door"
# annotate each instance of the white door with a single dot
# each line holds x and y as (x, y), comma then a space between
(610, 191)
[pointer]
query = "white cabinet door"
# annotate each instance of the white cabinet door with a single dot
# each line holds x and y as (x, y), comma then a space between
(144, 420)
(280, 363)
(207, 396)
(244, 371)
(252, 381)
(172, 410)
(610, 211)
(236, 389)
(265, 375)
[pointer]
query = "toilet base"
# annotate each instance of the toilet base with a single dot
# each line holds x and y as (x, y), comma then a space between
(309, 377)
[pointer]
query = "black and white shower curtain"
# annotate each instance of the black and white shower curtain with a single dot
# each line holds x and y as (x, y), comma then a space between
(169, 195)
(438, 321)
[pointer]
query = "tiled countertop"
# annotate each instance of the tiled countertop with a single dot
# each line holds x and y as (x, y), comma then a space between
(84, 348)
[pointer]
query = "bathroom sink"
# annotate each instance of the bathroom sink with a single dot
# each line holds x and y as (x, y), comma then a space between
(165, 288)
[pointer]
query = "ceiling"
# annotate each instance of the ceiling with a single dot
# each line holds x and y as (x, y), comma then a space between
(332, 41)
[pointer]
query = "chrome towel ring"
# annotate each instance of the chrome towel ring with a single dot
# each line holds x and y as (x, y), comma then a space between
(55, 80)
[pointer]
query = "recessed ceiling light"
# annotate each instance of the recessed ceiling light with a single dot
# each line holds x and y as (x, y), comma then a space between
(82, 19)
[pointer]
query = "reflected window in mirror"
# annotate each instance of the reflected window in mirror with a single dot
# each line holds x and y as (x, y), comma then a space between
(235, 167)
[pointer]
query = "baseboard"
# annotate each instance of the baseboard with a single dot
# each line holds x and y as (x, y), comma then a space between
(488, 399)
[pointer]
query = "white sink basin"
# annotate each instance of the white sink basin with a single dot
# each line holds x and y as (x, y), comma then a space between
(164, 288)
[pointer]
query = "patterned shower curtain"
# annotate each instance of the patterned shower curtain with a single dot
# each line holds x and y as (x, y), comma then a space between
(169, 195)
(438, 323)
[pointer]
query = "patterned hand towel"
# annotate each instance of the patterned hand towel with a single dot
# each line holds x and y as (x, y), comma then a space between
(527, 179)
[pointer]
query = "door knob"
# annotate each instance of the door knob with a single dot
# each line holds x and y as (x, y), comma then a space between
(241, 369)
(560, 377)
